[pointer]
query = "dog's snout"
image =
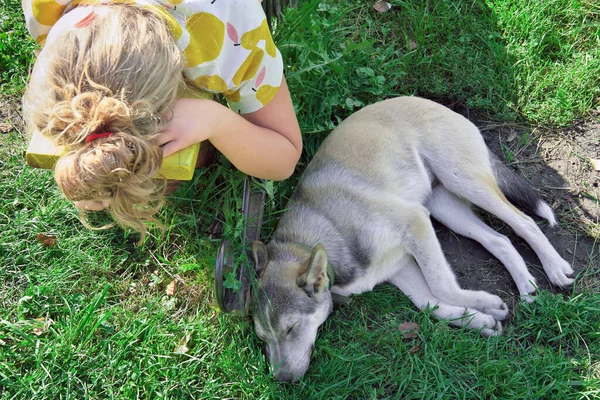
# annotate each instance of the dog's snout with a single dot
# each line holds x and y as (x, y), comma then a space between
(284, 376)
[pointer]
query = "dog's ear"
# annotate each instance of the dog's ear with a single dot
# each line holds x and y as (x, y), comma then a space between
(260, 256)
(315, 279)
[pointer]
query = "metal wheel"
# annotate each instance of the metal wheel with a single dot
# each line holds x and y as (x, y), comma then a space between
(229, 300)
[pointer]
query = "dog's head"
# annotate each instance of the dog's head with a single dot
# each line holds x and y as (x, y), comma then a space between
(291, 301)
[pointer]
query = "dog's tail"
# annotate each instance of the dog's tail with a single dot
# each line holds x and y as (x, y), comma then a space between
(519, 192)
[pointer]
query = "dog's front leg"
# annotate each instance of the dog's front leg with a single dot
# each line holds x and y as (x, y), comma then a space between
(425, 248)
(412, 283)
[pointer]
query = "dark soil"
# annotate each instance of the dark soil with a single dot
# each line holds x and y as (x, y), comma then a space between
(557, 163)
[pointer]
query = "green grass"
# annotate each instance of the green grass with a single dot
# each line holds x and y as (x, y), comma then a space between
(555, 46)
(513, 59)
(16, 47)
(109, 329)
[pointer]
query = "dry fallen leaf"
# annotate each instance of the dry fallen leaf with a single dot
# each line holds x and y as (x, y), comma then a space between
(409, 330)
(172, 287)
(595, 163)
(413, 44)
(46, 240)
(42, 326)
(5, 127)
(182, 345)
(382, 6)
(415, 349)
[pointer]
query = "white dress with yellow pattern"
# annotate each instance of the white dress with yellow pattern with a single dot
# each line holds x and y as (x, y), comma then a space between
(227, 44)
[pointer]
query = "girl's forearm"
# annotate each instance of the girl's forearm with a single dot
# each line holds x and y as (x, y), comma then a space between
(255, 150)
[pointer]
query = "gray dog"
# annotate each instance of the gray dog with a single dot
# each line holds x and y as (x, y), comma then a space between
(361, 216)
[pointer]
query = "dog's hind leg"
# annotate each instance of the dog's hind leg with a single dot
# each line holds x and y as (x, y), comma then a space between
(412, 283)
(480, 188)
(456, 214)
(424, 246)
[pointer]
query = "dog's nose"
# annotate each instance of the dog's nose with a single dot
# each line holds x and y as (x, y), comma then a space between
(284, 376)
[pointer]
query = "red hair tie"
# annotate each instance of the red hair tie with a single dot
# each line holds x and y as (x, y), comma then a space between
(95, 136)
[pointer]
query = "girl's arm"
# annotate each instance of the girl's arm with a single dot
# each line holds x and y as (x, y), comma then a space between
(265, 144)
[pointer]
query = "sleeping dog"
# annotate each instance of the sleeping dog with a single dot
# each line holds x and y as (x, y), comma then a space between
(360, 216)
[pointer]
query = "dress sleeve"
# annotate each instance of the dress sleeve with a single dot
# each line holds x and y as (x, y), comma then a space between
(230, 51)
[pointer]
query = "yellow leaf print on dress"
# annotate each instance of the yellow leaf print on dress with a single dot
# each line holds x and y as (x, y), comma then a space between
(201, 26)
(265, 94)
(232, 95)
(47, 12)
(41, 39)
(249, 67)
(212, 82)
(251, 38)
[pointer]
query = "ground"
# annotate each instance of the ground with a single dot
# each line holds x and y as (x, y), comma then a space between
(556, 162)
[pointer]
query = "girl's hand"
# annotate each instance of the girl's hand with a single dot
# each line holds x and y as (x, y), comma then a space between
(266, 143)
(192, 121)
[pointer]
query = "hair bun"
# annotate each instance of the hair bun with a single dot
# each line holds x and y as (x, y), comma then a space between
(82, 114)
(119, 174)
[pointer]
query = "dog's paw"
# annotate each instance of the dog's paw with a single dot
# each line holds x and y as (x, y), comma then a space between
(527, 298)
(498, 310)
(566, 268)
(527, 286)
(489, 304)
(495, 331)
(558, 272)
(470, 318)
(486, 324)
(482, 301)
(560, 280)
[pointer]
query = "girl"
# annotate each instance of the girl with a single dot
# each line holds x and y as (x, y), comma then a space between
(106, 85)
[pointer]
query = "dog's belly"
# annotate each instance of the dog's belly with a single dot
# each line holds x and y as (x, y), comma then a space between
(373, 277)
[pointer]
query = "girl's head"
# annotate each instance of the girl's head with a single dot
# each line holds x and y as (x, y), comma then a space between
(107, 69)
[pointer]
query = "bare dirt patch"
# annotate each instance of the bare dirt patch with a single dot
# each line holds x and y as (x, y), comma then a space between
(11, 117)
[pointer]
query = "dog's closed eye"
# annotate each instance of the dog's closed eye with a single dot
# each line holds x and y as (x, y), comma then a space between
(291, 328)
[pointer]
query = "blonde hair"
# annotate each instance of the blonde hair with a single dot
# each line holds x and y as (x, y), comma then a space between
(120, 74)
